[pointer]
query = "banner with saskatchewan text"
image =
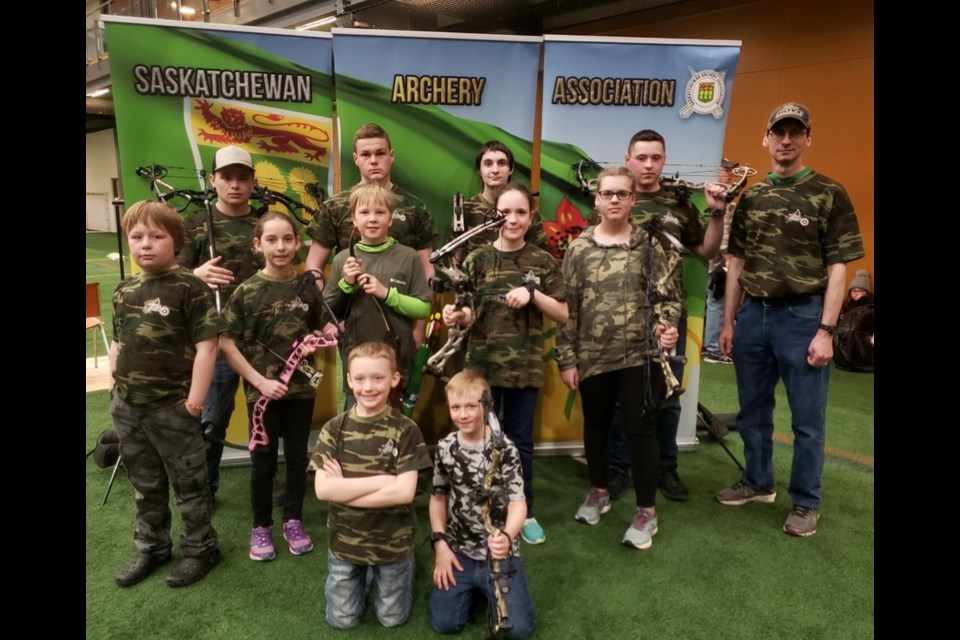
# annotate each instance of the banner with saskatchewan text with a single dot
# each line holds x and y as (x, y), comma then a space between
(439, 97)
(598, 92)
(183, 91)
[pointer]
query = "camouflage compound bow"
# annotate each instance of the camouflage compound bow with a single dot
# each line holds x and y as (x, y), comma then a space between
(454, 279)
(499, 618)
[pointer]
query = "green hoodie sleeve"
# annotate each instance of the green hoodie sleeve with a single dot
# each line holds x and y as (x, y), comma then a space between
(408, 306)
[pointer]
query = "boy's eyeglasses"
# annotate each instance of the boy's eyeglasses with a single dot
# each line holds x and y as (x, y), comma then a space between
(608, 195)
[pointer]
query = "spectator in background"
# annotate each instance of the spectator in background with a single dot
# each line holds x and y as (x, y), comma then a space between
(859, 293)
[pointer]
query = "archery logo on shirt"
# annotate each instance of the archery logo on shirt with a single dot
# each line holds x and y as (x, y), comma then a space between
(155, 306)
(389, 448)
(297, 303)
(796, 216)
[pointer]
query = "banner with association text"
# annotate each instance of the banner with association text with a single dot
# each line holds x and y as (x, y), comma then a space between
(182, 91)
(598, 92)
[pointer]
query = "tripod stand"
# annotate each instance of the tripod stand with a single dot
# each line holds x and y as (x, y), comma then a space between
(713, 424)
(113, 477)
(108, 445)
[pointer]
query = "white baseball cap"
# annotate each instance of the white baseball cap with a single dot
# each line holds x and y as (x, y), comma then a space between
(232, 155)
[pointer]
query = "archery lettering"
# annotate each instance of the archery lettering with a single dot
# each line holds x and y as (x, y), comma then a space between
(449, 90)
(629, 92)
(231, 84)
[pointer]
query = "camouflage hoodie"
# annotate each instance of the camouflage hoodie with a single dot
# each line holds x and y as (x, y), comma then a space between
(611, 320)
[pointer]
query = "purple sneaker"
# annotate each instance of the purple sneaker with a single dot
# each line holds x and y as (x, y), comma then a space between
(297, 537)
(261, 544)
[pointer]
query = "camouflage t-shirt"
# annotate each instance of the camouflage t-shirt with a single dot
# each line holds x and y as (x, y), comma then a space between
(388, 443)
(611, 323)
(477, 211)
(396, 267)
(233, 238)
(506, 345)
(265, 313)
(458, 473)
(412, 225)
(787, 230)
(157, 322)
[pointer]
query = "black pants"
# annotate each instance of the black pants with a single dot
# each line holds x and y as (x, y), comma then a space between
(291, 420)
(599, 395)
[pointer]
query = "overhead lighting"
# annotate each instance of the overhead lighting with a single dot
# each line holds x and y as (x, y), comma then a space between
(184, 11)
(98, 93)
(316, 23)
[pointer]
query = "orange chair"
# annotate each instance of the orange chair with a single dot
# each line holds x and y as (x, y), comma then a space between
(94, 321)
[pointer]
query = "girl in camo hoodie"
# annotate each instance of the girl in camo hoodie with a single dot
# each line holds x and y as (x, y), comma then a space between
(607, 347)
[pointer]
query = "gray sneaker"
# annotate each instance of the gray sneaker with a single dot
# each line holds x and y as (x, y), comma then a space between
(802, 521)
(740, 494)
(642, 529)
(593, 507)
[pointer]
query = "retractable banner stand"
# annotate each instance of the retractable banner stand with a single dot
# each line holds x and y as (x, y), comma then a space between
(183, 91)
(440, 98)
(598, 92)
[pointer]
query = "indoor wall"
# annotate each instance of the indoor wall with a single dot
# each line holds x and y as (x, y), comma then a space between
(818, 52)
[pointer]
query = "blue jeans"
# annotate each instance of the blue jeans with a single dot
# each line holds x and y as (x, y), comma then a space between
(668, 422)
(215, 418)
(449, 610)
(712, 323)
(517, 408)
(770, 343)
(347, 587)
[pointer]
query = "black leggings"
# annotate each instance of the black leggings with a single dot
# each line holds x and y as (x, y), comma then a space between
(290, 419)
(599, 395)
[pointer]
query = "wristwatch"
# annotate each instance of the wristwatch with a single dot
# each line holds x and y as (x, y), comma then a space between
(716, 213)
(436, 537)
(829, 328)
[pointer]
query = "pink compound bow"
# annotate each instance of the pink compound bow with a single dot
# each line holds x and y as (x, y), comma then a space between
(258, 434)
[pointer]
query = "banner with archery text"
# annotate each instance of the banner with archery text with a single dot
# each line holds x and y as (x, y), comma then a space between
(182, 91)
(439, 97)
(598, 92)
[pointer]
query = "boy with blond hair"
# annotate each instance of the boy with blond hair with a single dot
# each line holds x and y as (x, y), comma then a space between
(367, 461)
(476, 513)
(377, 286)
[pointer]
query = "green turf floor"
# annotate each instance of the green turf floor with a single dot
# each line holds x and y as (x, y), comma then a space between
(713, 571)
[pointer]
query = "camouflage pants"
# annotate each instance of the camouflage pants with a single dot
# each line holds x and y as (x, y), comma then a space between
(161, 449)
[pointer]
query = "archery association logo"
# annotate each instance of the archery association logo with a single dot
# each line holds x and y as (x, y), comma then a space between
(704, 93)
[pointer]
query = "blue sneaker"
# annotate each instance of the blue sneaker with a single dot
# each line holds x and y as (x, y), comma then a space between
(532, 532)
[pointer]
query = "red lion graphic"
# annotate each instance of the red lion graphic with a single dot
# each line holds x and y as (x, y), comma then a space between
(275, 133)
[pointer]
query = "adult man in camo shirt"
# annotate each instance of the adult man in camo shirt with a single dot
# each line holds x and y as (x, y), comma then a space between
(790, 240)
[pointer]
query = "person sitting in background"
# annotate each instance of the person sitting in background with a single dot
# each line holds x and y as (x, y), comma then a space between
(859, 293)
(853, 341)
